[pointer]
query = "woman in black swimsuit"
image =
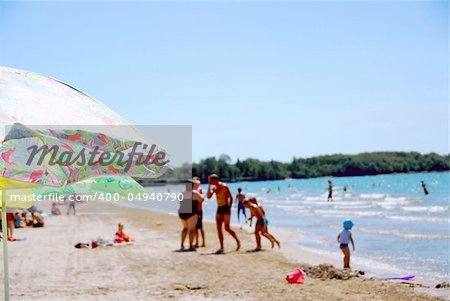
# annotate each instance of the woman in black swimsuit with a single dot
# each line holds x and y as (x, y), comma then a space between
(188, 213)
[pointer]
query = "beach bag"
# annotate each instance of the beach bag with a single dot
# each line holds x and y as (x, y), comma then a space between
(296, 276)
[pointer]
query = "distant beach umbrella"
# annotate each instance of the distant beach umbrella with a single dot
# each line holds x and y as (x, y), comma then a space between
(41, 111)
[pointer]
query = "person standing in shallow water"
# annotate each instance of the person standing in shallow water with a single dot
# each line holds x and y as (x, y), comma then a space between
(224, 203)
(240, 197)
(424, 186)
(344, 239)
(330, 191)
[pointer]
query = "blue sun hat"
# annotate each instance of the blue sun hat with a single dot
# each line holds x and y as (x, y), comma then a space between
(348, 224)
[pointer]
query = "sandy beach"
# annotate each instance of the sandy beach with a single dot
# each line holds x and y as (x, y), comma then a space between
(326, 123)
(46, 266)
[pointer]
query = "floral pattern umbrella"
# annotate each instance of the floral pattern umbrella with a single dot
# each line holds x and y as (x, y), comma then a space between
(33, 99)
(29, 101)
(60, 157)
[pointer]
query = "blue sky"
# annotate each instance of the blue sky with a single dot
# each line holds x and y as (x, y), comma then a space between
(268, 80)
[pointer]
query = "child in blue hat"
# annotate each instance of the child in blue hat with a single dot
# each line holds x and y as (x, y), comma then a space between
(344, 238)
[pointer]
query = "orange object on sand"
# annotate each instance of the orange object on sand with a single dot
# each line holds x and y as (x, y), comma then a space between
(296, 276)
(121, 237)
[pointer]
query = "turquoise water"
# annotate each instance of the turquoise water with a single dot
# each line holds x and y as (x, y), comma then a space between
(398, 230)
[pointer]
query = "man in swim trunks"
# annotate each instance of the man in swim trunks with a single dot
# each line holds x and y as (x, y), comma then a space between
(424, 186)
(224, 202)
(330, 191)
(240, 197)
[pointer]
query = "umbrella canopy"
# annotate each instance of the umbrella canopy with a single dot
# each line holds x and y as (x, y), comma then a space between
(9, 187)
(60, 157)
(22, 195)
(33, 99)
(28, 100)
(40, 102)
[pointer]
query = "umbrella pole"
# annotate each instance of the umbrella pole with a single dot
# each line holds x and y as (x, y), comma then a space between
(5, 247)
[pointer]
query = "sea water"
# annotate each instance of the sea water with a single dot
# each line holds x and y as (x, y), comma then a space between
(398, 229)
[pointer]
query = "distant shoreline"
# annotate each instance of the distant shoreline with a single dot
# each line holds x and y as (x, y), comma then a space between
(337, 165)
(344, 176)
(179, 182)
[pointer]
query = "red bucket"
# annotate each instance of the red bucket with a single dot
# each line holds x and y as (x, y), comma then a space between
(296, 276)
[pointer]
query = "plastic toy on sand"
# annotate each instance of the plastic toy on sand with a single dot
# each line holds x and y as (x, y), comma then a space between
(296, 276)
(402, 278)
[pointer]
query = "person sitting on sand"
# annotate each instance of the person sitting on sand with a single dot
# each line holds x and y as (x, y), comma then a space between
(196, 186)
(28, 222)
(240, 197)
(188, 213)
(344, 238)
(224, 202)
(120, 236)
(18, 221)
(38, 220)
(55, 209)
(261, 223)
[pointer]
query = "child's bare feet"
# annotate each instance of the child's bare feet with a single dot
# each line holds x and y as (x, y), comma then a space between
(238, 245)
(220, 251)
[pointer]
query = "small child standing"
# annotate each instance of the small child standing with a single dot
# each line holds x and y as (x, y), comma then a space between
(344, 238)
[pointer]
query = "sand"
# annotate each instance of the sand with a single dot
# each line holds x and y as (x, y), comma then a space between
(46, 266)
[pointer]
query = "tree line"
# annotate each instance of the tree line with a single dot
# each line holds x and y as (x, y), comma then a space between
(338, 165)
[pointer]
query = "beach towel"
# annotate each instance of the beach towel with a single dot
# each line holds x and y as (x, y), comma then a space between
(100, 244)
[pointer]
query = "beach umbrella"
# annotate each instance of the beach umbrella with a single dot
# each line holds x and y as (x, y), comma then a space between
(41, 111)
(123, 187)
(60, 157)
(21, 195)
